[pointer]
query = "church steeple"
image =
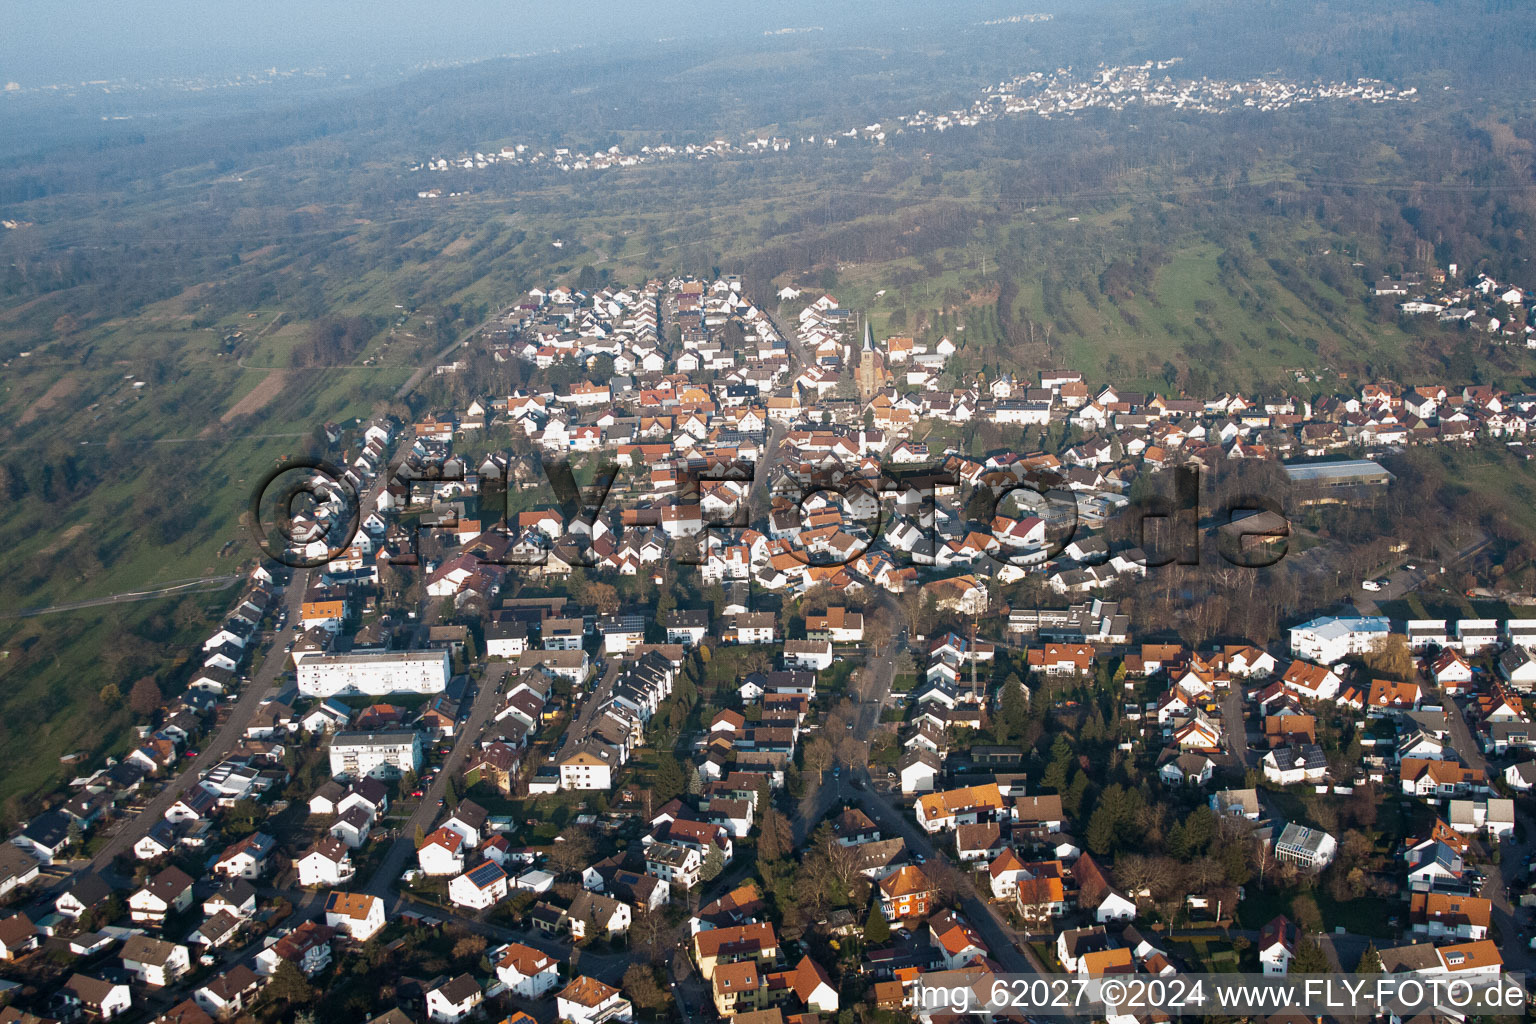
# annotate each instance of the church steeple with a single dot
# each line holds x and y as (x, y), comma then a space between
(870, 373)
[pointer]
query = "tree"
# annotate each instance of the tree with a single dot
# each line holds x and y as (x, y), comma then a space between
(1102, 827)
(774, 842)
(641, 986)
(604, 596)
(1310, 959)
(145, 697)
(289, 984)
(714, 863)
(877, 930)
(833, 867)
(668, 780)
(1306, 913)
(648, 935)
(1055, 776)
(1013, 710)
(469, 948)
(1370, 960)
(573, 852)
(1393, 658)
(818, 755)
(110, 696)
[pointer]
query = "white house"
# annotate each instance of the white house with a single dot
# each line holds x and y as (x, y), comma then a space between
(1311, 682)
(468, 820)
(525, 971)
(168, 892)
(377, 673)
(225, 995)
(594, 913)
(355, 914)
(815, 655)
(1277, 945)
(1308, 848)
(1115, 906)
(589, 765)
(480, 887)
(1289, 766)
(441, 853)
(1521, 777)
(154, 962)
(105, 999)
(589, 1001)
(246, 858)
(454, 1000)
(388, 753)
(328, 863)
(918, 769)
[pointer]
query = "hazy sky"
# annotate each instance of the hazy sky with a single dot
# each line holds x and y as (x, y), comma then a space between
(52, 41)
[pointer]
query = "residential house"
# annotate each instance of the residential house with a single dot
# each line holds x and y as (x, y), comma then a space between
(326, 864)
(589, 1001)
(154, 962)
(454, 999)
(357, 915)
(166, 893)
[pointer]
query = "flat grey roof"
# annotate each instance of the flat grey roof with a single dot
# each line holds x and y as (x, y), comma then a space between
(1349, 469)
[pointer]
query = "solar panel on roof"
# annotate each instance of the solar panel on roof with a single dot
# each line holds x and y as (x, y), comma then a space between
(486, 874)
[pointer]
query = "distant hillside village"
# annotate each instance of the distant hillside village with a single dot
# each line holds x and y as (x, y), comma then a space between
(1056, 94)
(1505, 312)
(525, 769)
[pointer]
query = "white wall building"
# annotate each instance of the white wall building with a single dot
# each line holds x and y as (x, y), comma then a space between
(388, 753)
(375, 675)
(1330, 639)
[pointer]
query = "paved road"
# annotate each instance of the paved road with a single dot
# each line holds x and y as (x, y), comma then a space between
(985, 918)
(595, 700)
(425, 815)
(1236, 727)
(203, 584)
(241, 712)
(214, 749)
(854, 785)
(873, 691)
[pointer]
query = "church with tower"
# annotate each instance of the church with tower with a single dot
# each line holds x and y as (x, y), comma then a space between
(870, 373)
